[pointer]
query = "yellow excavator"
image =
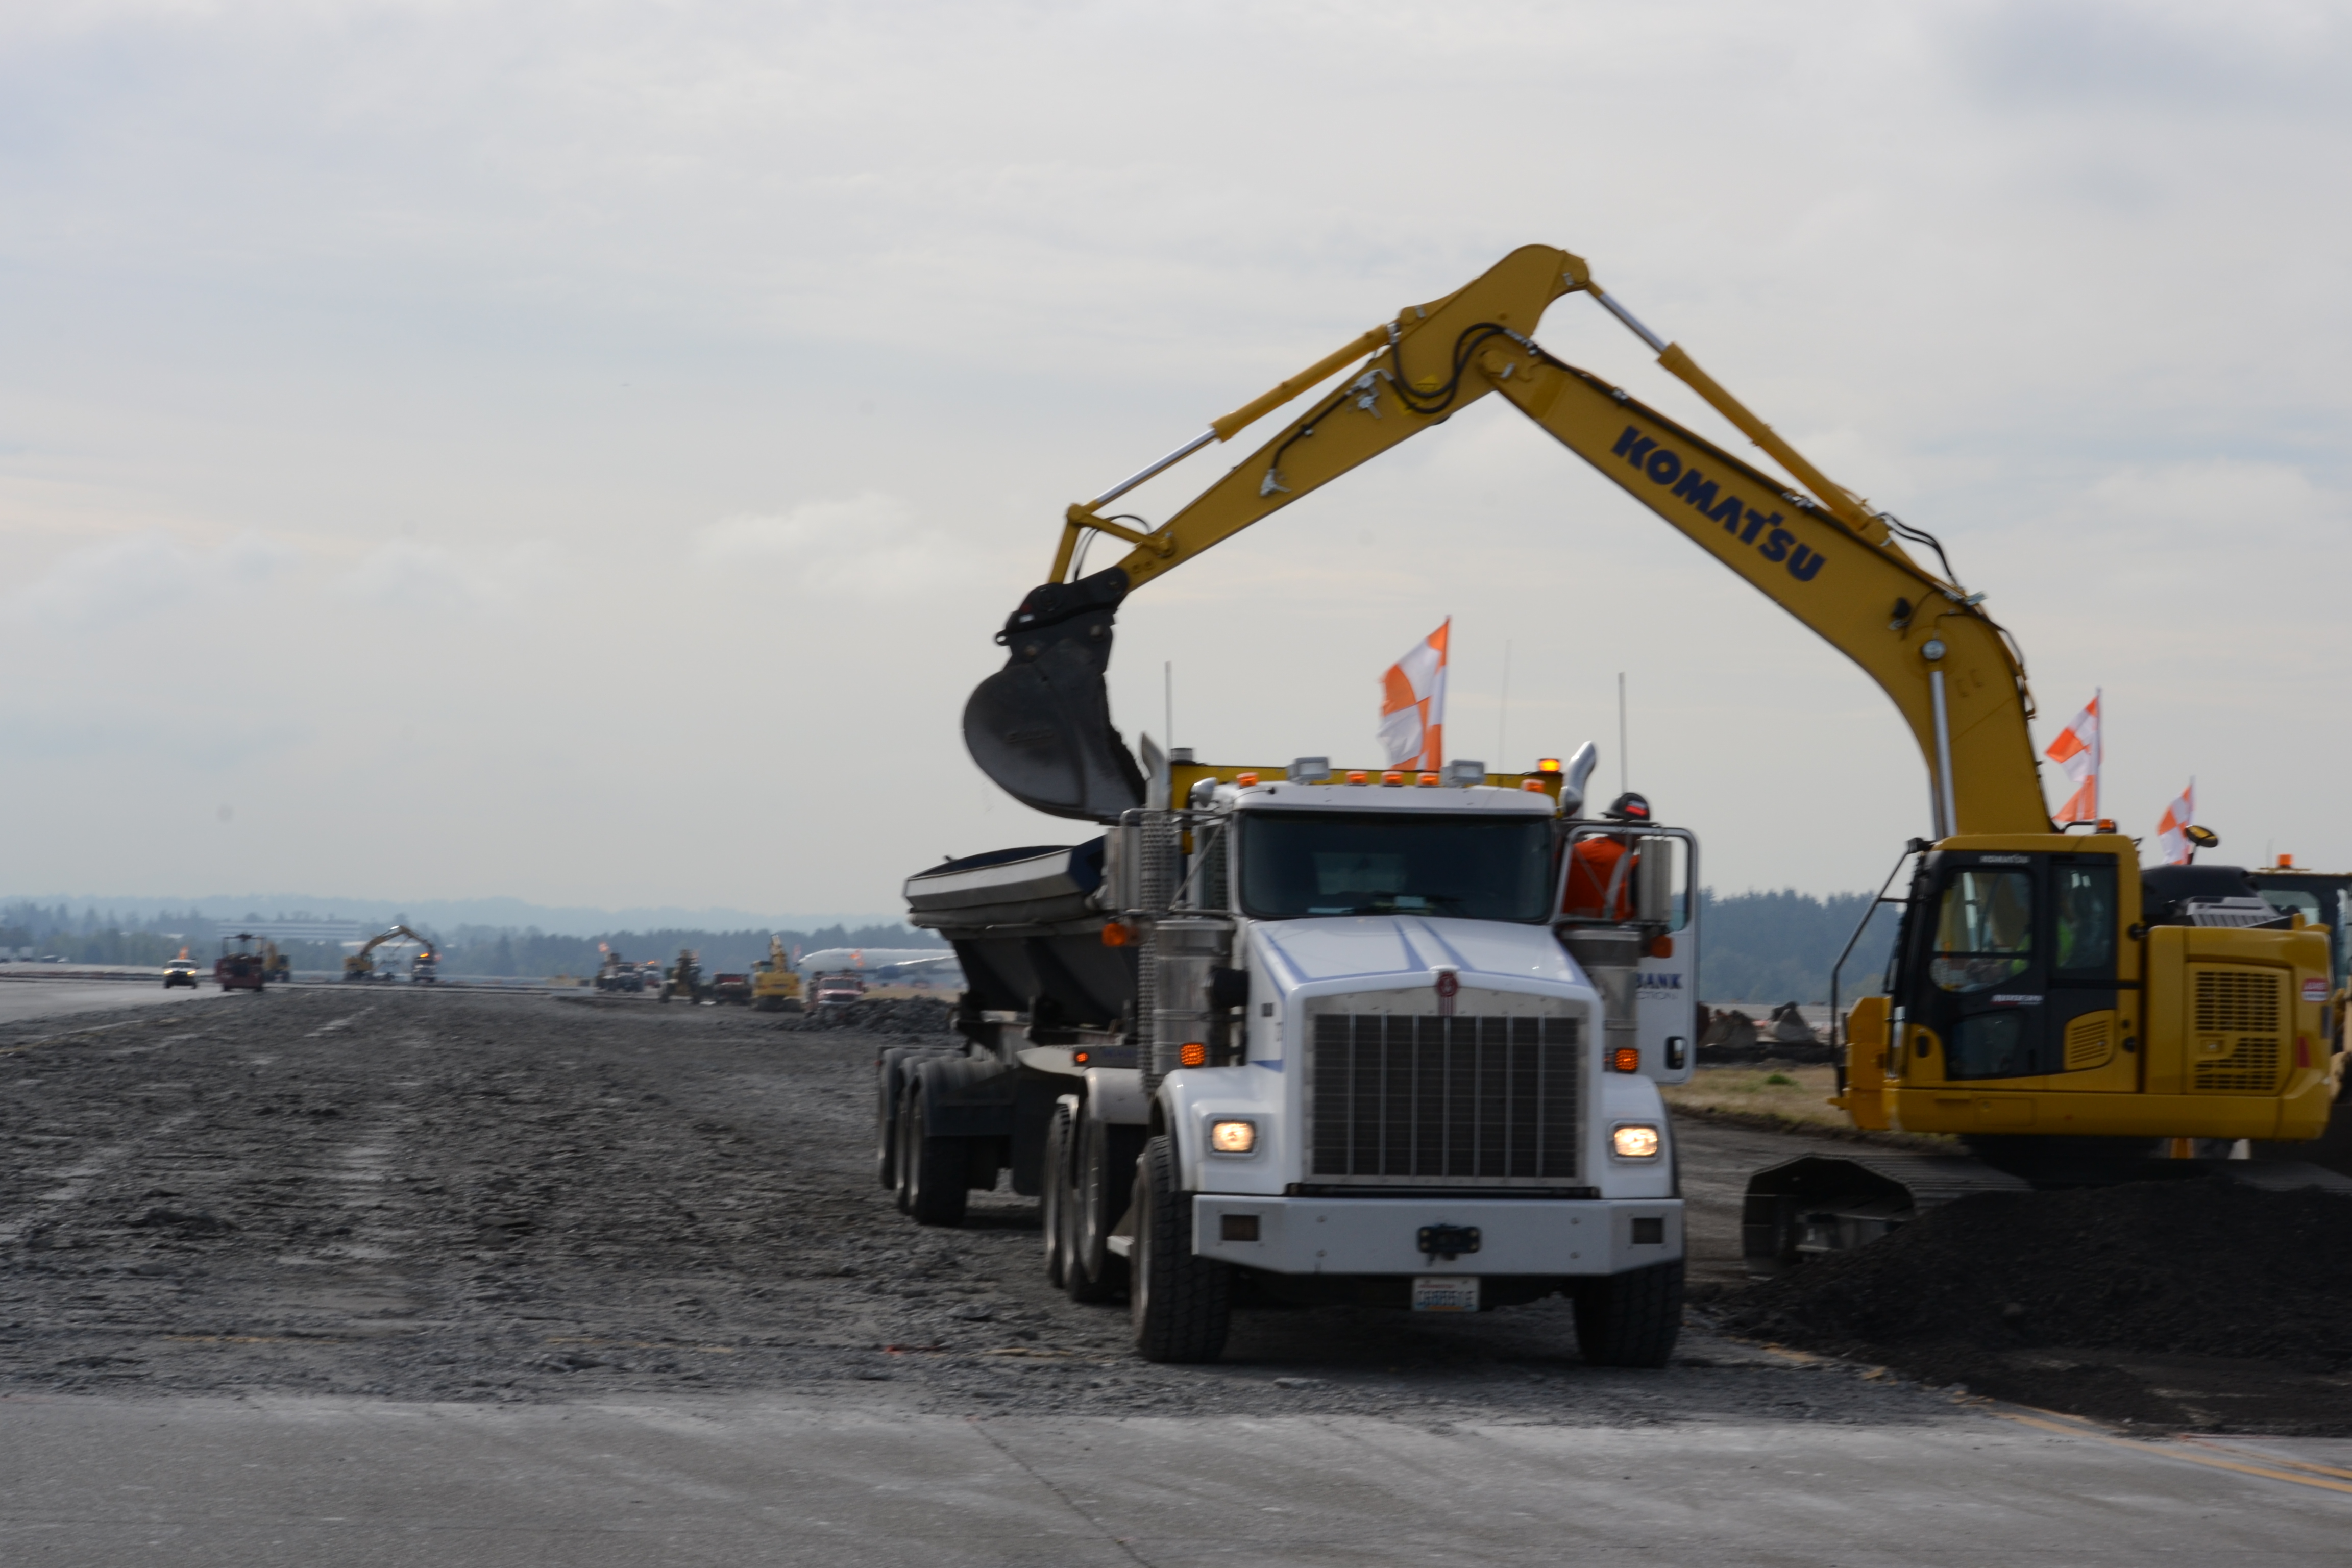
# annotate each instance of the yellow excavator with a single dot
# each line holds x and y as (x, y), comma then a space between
(425, 965)
(2046, 1002)
(775, 983)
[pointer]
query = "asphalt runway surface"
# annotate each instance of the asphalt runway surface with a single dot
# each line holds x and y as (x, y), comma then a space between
(408, 1276)
(23, 1000)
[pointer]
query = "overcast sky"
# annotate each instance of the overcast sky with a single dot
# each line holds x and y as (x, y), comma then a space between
(580, 453)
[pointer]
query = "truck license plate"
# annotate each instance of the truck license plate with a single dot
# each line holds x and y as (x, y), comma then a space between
(1444, 1293)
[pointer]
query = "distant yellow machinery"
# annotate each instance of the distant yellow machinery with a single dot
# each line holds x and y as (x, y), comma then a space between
(2044, 997)
(775, 983)
(425, 965)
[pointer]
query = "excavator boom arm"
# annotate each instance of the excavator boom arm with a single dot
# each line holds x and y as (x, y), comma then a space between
(1041, 726)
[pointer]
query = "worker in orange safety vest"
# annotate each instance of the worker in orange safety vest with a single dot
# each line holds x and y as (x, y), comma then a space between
(1593, 865)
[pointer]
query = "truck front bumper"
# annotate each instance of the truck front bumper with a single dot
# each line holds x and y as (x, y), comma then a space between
(1381, 1236)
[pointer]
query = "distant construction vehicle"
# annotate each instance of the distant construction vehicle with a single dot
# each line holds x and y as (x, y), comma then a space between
(362, 965)
(684, 979)
(833, 992)
(276, 964)
(775, 983)
(240, 966)
(734, 990)
(616, 973)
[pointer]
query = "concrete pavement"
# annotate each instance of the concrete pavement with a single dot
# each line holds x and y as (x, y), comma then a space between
(273, 1481)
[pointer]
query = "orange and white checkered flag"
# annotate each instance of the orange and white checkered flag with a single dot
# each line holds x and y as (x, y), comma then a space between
(1413, 705)
(2172, 833)
(2076, 751)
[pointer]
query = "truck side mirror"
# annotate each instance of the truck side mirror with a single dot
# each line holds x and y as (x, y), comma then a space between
(1653, 882)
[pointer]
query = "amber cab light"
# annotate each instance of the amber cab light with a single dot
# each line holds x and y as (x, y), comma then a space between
(1392, 777)
(1192, 1053)
(1244, 780)
(1662, 947)
(1625, 1058)
(1359, 775)
(1232, 1137)
(1426, 780)
(1533, 787)
(1116, 935)
(1082, 1058)
(1547, 764)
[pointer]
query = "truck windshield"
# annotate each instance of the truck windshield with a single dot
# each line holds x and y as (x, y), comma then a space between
(1297, 864)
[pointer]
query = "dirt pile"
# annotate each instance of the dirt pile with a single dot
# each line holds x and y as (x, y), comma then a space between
(906, 1016)
(2106, 1300)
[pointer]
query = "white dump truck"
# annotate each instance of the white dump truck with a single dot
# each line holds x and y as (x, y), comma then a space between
(1305, 1036)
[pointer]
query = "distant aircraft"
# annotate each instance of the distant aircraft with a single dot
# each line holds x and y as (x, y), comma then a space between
(886, 966)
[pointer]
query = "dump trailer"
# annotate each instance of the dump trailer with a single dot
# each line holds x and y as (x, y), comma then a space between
(732, 989)
(1295, 1036)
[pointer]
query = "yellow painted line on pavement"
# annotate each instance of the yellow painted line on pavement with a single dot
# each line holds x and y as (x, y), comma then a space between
(2166, 1451)
(2272, 1458)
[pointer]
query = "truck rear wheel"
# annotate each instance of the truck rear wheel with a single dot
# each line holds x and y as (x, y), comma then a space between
(1632, 1319)
(1054, 1196)
(1182, 1304)
(934, 1173)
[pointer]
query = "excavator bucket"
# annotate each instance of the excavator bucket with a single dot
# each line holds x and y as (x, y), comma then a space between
(1041, 726)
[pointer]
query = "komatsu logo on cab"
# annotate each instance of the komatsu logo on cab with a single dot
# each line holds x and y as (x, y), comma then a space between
(1695, 489)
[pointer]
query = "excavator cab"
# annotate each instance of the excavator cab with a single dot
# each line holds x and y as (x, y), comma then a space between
(2010, 963)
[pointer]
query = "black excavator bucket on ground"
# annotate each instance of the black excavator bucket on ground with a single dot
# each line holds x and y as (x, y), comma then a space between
(1041, 726)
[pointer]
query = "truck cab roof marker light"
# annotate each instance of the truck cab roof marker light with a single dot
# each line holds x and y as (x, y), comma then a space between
(1547, 764)
(1358, 776)
(1427, 781)
(1244, 780)
(1391, 779)
(1533, 787)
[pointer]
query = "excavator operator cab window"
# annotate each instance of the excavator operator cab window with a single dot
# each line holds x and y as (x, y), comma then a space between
(2017, 972)
(1984, 929)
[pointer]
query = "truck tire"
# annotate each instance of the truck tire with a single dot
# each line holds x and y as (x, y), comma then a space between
(935, 1173)
(1182, 1304)
(1102, 1173)
(1054, 1196)
(1632, 1319)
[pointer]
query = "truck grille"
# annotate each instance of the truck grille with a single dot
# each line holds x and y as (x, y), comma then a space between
(2239, 1037)
(1465, 1099)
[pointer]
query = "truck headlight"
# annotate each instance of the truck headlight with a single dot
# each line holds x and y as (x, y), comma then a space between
(1634, 1141)
(1232, 1137)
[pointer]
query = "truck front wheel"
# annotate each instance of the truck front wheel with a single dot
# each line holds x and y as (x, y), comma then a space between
(1632, 1319)
(1182, 1304)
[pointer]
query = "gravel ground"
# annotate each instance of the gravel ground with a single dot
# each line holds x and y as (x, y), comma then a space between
(454, 1195)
